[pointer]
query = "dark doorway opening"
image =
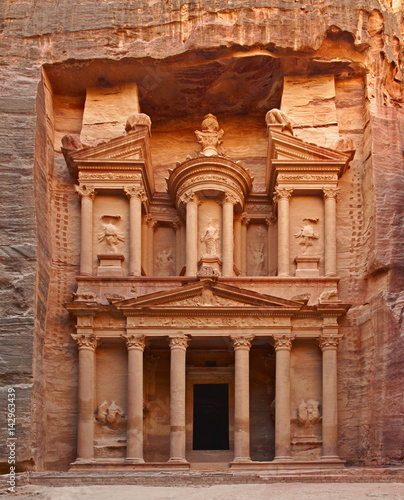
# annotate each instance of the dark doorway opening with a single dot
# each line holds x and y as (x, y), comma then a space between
(211, 417)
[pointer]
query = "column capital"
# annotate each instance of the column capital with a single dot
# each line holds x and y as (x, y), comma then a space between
(242, 341)
(332, 192)
(177, 223)
(270, 221)
(134, 341)
(150, 221)
(230, 198)
(85, 341)
(179, 341)
(282, 193)
(136, 192)
(190, 197)
(245, 220)
(329, 342)
(85, 191)
(283, 342)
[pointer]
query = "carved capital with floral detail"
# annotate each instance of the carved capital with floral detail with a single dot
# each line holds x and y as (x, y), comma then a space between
(85, 341)
(282, 192)
(177, 223)
(134, 342)
(135, 191)
(242, 342)
(245, 220)
(85, 191)
(190, 197)
(150, 221)
(270, 221)
(330, 341)
(283, 342)
(331, 192)
(230, 198)
(179, 341)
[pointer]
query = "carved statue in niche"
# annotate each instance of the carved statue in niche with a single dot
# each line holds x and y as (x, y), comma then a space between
(257, 258)
(211, 241)
(164, 261)
(308, 413)
(210, 136)
(110, 234)
(110, 415)
(306, 235)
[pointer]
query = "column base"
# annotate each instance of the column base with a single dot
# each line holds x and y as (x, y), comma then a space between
(177, 460)
(238, 460)
(134, 461)
(283, 458)
(84, 461)
(331, 458)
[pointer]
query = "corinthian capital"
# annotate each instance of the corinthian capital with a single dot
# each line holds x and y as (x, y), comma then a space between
(189, 197)
(230, 198)
(85, 341)
(85, 190)
(283, 342)
(330, 341)
(134, 342)
(331, 192)
(136, 191)
(179, 342)
(242, 342)
(282, 192)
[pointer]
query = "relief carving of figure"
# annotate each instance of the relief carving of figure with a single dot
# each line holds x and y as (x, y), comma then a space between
(277, 117)
(257, 257)
(306, 235)
(308, 413)
(164, 262)
(211, 240)
(110, 234)
(110, 415)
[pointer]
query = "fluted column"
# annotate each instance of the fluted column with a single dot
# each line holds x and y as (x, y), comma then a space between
(228, 235)
(86, 397)
(237, 242)
(178, 261)
(191, 201)
(178, 347)
(134, 435)
(150, 245)
(136, 195)
(244, 222)
(329, 345)
(283, 346)
(87, 194)
(282, 197)
(242, 347)
(330, 230)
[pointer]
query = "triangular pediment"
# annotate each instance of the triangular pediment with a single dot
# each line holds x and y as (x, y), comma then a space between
(288, 147)
(206, 294)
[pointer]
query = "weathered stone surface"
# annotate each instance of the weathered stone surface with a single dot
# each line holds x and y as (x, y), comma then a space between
(188, 60)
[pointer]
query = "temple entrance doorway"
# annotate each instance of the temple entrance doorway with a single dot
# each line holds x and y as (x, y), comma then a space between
(211, 417)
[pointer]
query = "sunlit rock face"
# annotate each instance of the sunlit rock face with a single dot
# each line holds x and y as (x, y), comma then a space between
(334, 69)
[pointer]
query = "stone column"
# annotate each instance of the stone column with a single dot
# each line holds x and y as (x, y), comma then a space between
(329, 345)
(178, 346)
(134, 434)
(283, 345)
(228, 235)
(237, 242)
(145, 245)
(330, 230)
(242, 347)
(282, 197)
(178, 261)
(87, 194)
(136, 195)
(244, 222)
(271, 249)
(150, 245)
(86, 397)
(191, 201)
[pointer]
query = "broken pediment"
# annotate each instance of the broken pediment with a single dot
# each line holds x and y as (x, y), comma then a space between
(121, 158)
(301, 164)
(206, 294)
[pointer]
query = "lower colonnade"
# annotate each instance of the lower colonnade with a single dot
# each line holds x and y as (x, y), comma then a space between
(178, 343)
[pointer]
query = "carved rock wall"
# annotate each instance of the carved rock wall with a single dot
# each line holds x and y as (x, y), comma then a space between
(40, 212)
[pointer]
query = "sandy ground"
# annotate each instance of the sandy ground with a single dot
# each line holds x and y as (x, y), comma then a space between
(279, 491)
